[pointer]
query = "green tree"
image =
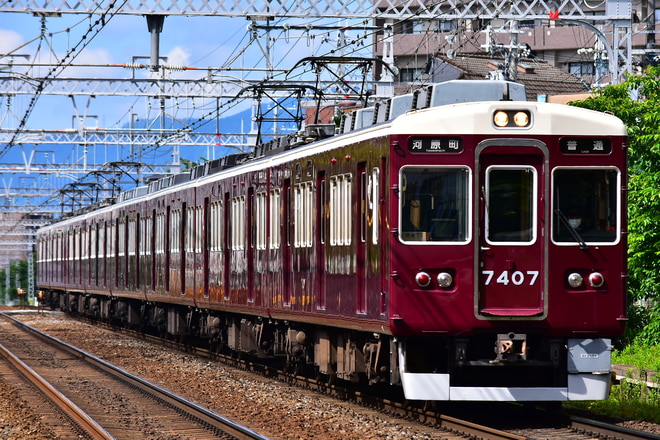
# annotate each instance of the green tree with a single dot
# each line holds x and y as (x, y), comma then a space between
(637, 102)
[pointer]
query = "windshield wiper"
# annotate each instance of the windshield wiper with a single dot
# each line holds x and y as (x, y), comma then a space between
(571, 229)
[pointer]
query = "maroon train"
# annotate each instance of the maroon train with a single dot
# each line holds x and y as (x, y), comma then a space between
(461, 250)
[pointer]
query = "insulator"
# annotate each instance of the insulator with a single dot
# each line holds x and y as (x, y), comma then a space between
(134, 66)
(175, 67)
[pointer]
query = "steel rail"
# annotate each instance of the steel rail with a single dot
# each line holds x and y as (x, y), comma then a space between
(203, 415)
(608, 430)
(77, 416)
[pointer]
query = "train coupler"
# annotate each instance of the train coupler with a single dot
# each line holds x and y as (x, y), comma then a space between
(510, 347)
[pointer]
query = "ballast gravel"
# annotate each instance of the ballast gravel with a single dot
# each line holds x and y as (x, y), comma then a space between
(267, 406)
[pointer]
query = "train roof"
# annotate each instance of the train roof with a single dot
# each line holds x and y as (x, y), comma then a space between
(463, 106)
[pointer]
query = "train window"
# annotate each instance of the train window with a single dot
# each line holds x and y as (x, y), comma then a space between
(216, 226)
(238, 223)
(121, 241)
(199, 229)
(511, 194)
(321, 207)
(275, 237)
(586, 205)
(145, 235)
(261, 220)
(362, 208)
(160, 233)
(302, 215)
(175, 234)
(340, 210)
(374, 203)
(132, 234)
(189, 235)
(434, 204)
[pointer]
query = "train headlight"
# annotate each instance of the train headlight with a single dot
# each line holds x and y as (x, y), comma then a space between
(445, 279)
(596, 279)
(521, 119)
(512, 118)
(423, 279)
(575, 280)
(501, 118)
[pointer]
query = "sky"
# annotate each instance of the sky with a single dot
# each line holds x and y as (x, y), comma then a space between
(197, 42)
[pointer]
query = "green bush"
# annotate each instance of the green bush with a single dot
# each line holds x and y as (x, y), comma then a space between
(637, 355)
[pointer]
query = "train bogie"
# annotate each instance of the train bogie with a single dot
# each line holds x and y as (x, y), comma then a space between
(471, 251)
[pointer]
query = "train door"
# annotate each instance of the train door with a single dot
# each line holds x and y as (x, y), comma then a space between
(511, 246)
(226, 270)
(361, 298)
(286, 243)
(321, 225)
(206, 246)
(250, 244)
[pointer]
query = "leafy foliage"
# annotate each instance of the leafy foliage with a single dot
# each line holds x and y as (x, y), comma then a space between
(637, 102)
(18, 273)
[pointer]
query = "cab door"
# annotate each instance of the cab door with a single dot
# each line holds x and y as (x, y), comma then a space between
(511, 243)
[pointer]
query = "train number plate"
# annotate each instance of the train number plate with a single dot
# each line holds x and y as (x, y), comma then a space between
(506, 277)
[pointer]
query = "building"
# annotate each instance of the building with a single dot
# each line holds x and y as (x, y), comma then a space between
(571, 46)
(542, 81)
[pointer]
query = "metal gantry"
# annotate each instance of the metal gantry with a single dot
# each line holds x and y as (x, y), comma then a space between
(357, 9)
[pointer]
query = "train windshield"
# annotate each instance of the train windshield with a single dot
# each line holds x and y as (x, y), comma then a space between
(511, 204)
(434, 204)
(585, 205)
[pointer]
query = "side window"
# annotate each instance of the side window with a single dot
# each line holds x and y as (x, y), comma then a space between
(434, 204)
(199, 228)
(216, 226)
(175, 231)
(238, 223)
(275, 238)
(302, 214)
(586, 205)
(260, 213)
(374, 203)
(340, 210)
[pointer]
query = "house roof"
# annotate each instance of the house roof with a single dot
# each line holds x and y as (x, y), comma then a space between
(539, 77)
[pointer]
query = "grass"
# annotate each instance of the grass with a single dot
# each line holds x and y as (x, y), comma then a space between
(630, 400)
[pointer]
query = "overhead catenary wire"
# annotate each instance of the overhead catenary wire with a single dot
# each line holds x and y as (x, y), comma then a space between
(92, 32)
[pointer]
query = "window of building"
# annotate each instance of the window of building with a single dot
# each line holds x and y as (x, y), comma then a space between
(411, 75)
(581, 69)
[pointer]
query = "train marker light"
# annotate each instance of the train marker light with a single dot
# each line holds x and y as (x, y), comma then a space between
(596, 279)
(423, 279)
(445, 279)
(575, 280)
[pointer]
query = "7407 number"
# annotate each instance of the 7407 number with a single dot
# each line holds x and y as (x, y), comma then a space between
(518, 278)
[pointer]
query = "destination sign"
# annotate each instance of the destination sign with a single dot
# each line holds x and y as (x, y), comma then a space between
(585, 146)
(435, 145)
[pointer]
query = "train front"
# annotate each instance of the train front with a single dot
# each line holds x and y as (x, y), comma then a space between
(507, 277)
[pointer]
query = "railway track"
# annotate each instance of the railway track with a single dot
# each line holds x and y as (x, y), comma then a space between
(102, 401)
(537, 425)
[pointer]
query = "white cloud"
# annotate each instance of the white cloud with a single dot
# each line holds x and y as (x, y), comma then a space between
(178, 57)
(87, 64)
(10, 41)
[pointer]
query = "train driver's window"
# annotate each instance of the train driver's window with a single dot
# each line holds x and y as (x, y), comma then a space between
(586, 205)
(434, 204)
(511, 193)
